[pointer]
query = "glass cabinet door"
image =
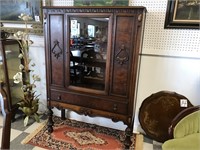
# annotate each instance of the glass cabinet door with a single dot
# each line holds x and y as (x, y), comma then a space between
(88, 46)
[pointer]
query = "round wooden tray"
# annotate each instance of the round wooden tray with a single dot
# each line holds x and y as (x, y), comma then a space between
(157, 111)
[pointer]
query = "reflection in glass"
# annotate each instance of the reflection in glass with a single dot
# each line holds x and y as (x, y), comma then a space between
(1, 69)
(91, 29)
(75, 28)
(88, 49)
(13, 62)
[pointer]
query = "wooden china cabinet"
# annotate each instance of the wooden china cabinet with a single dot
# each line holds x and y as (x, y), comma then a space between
(92, 56)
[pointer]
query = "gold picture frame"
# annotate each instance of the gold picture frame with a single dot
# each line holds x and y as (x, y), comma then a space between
(11, 9)
(101, 2)
(183, 14)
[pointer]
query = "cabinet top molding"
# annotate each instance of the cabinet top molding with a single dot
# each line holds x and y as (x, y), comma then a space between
(95, 9)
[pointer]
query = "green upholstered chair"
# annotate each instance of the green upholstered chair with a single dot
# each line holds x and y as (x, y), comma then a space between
(185, 131)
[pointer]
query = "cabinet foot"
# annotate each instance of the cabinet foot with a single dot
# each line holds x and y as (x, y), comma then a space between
(50, 121)
(127, 141)
(63, 114)
(50, 129)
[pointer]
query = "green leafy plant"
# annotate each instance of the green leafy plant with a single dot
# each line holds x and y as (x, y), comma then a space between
(30, 102)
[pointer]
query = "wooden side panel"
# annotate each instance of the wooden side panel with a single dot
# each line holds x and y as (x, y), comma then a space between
(57, 49)
(122, 58)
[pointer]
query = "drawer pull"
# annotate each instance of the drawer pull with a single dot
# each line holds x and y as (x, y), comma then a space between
(59, 97)
(115, 107)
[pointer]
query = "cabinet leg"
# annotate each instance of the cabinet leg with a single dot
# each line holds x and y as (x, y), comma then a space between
(127, 141)
(63, 114)
(50, 121)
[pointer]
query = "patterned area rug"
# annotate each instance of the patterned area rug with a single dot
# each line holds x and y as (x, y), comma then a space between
(71, 134)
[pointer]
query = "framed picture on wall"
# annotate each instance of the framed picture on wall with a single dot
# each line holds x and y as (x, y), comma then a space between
(101, 2)
(183, 14)
(11, 9)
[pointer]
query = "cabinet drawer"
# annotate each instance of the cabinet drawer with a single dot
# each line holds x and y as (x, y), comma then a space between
(89, 101)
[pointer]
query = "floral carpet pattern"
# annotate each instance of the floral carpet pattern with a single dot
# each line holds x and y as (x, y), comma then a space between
(71, 134)
(85, 138)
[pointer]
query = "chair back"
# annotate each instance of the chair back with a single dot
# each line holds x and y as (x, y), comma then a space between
(186, 122)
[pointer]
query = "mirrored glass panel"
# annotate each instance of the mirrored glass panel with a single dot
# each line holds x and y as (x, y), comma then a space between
(12, 51)
(1, 75)
(1, 68)
(88, 50)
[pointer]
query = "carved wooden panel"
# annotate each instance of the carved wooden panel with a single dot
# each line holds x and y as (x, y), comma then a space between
(56, 48)
(122, 55)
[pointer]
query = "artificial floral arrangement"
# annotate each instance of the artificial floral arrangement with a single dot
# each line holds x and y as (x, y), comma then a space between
(30, 102)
